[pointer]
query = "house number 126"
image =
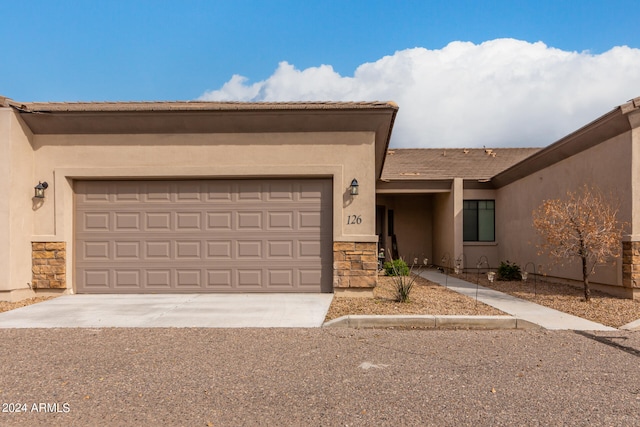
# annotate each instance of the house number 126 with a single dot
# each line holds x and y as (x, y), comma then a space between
(354, 219)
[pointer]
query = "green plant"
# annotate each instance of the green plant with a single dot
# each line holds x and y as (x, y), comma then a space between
(403, 278)
(509, 271)
(396, 267)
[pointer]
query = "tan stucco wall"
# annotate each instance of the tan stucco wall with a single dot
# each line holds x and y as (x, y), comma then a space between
(16, 202)
(341, 156)
(607, 165)
(477, 251)
(413, 221)
(634, 119)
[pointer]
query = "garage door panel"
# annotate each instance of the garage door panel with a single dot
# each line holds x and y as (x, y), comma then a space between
(188, 278)
(249, 249)
(219, 220)
(248, 278)
(281, 221)
(158, 250)
(127, 221)
(281, 277)
(309, 249)
(95, 279)
(155, 192)
(204, 236)
(307, 278)
(280, 249)
(157, 221)
(249, 220)
(127, 250)
(309, 220)
(220, 249)
(95, 221)
(187, 249)
(95, 250)
(220, 191)
(280, 192)
(127, 279)
(249, 191)
(158, 279)
(220, 279)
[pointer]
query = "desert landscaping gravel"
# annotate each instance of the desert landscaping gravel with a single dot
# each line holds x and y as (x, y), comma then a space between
(426, 298)
(318, 377)
(603, 308)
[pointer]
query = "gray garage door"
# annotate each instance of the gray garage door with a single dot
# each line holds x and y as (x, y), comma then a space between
(203, 236)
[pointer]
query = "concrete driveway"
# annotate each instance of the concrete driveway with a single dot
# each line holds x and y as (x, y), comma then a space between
(176, 310)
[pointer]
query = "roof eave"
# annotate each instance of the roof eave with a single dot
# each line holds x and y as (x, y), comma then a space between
(603, 128)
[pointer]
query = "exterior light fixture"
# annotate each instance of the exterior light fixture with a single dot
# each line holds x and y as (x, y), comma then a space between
(39, 190)
(354, 187)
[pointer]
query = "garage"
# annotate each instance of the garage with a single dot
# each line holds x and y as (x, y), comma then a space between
(223, 235)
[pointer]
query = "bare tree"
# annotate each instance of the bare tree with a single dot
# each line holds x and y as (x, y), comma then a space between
(584, 226)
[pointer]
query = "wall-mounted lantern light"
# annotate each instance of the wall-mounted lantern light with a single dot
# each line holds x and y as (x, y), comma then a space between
(354, 187)
(39, 190)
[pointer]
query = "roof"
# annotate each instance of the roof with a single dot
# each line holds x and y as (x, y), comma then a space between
(609, 125)
(192, 117)
(423, 164)
(147, 106)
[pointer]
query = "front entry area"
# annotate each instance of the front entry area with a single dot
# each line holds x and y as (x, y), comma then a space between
(186, 236)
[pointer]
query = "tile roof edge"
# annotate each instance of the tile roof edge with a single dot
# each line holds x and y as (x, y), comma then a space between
(132, 106)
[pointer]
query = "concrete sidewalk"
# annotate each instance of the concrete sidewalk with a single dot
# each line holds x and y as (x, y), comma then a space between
(173, 310)
(546, 317)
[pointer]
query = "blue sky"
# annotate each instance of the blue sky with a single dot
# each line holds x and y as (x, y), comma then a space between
(182, 50)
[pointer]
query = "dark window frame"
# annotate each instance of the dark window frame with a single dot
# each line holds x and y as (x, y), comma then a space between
(471, 211)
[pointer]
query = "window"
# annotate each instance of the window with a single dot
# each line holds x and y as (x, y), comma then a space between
(478, 220)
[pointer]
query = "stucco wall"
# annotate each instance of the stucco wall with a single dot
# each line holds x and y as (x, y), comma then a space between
(607, 165)
(60, 159)
(16, 202)
(5, 170)
(477, 251)
(413, 223)
(443, 241)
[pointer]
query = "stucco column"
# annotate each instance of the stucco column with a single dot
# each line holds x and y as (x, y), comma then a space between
(457, 193)
(631, 243)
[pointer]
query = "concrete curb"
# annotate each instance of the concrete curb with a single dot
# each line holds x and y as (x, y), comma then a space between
(430, 322)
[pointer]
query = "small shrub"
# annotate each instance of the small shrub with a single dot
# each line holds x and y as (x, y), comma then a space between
(396, 267)
(402, 277)
(509, 271)
(403, 286)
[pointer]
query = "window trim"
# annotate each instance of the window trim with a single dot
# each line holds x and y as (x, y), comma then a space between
(477, 225)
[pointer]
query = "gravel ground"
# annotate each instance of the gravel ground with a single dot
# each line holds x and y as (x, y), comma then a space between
(294, 377)
(430, 298)
(426, 298)
(6, 306)
(603, 308)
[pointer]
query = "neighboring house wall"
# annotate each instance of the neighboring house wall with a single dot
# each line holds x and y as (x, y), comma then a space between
(607, 165)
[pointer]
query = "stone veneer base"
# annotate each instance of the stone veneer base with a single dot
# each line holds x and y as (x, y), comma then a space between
(355, 266)
(48, 265)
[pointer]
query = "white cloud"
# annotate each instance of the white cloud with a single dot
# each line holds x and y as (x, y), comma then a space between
(499, 93)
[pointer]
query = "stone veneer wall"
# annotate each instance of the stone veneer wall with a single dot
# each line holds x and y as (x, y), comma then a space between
(48, 265)
(355, 265)
(631, 265)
